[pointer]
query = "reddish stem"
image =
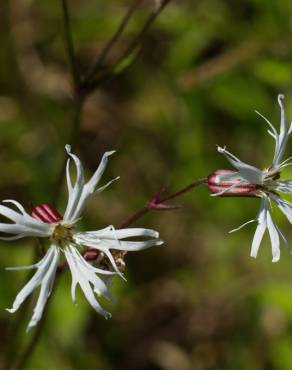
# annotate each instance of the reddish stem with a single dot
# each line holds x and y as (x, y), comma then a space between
(183, 190)
(156, 203)
(134, 217)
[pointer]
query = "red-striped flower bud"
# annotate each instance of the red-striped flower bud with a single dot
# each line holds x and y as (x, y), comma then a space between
(45, 213)
(230, 184)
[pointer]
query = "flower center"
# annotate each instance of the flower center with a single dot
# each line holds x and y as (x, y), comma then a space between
(62, 234)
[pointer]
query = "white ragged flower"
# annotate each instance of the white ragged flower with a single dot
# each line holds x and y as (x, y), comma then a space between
(249, 181)
(65, 240)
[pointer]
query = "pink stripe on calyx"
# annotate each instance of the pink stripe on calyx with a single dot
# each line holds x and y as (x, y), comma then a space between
(233, 187)
(46, 213)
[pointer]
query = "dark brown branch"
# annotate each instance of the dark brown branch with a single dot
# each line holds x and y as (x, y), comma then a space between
(137, 40)
(107, 73)
(69, 44)
(108, 47)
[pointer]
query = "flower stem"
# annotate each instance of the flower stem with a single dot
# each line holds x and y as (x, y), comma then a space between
(136, 41)
(183, 190)
(109, 45)
(157, 200)
(108, 72)
(69, 43)
(141, 212)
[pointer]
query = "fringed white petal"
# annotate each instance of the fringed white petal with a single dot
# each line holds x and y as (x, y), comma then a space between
(44, 276)
(74, 192)
(100, 288)
(109, 238)
(129, 246)
(280, 138)
(111, 233)
(261, 228)
(248, 172)
(283, 205)
(89, 282)
(274, 237)
(257, 239)
(46, 289)
(22, 223)
(79, 193)
(265, 222)
(283, 135)
(284, 186)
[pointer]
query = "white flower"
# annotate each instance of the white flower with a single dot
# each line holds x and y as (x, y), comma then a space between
(65, 240)
(266, 184)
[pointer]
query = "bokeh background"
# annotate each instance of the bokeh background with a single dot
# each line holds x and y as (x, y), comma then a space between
(199, 302)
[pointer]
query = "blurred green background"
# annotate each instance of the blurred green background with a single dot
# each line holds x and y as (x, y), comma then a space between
(199, 302)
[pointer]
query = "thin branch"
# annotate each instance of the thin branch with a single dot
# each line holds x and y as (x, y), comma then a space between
(69, 44)
(182, 191)
(108, 47)
(137, 40)
(107, 73)
(156, 203)
(136, 216)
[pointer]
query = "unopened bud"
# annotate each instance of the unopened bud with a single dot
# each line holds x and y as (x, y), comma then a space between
(230, 184)
(45, 213)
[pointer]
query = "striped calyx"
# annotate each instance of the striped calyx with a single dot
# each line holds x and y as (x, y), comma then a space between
(230, 184)
(45, 213)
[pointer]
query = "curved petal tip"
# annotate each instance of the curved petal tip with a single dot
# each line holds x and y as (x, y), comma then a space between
(68, 148)
(220, 149)
(11, 310)
(107, 154)
(280, 98)
(276, 259)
